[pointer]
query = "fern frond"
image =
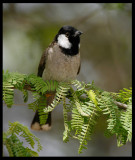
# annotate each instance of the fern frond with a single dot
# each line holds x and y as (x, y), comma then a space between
(108, 133)
(8, 93)
(119, 122)
(40, 85)
(123, 96)
(8, 144)
(10, 81)
(15, 146)
(126, 120)
(77, 121)
(86, 104)
(16, 149)
(37, 83)
(34, 105)
(67, 124)
(16, 128)
(87, 130)
(41, 105)
(109, 108)
(25, 95)
(92, 96)
(65, 133)
(79, 106)
(18, 80)
(61, 92)
(31, 153)
(80, 86)
(15, 78)
(84, 116)
(88, 107)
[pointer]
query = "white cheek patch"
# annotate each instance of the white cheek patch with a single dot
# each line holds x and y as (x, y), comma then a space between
(64, 42)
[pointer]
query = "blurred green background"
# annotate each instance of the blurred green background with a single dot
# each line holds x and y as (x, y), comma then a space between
(106, 58)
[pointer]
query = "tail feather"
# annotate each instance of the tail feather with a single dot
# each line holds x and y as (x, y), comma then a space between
(35, 125)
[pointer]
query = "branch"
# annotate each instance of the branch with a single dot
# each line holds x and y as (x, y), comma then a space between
(26, 86)
(121, 105)
(29, 88)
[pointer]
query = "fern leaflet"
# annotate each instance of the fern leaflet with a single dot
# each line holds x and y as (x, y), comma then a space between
(13, 144)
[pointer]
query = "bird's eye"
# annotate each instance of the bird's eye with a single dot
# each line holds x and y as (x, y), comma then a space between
(67, 34)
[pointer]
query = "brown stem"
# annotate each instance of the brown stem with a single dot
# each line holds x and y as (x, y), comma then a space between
(119, 104)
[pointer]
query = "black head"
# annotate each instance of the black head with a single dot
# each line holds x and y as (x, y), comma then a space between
(68, 39)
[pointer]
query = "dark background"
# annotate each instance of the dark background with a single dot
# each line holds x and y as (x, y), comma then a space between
(106, 58)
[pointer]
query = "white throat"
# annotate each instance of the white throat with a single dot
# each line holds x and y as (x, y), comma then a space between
(64, 42)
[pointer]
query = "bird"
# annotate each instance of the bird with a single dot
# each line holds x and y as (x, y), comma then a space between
(60, 62)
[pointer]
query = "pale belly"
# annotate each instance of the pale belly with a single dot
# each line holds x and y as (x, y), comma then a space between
(60, 67)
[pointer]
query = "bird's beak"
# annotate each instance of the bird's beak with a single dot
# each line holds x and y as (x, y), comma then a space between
(78, 33)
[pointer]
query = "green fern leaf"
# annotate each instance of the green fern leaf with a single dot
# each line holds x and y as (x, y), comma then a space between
(25, 95)
(126, 120)
(61, 93)
(15, 146)
(41, 105)
(87, 130)
(8, 93)
(109, 108)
